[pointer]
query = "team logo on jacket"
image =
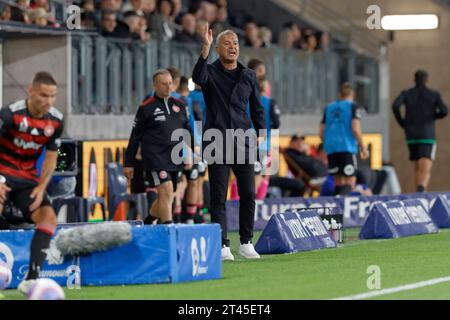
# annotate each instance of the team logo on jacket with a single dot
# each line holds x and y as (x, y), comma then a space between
(163, 175)
(49, 131)
(176, 108)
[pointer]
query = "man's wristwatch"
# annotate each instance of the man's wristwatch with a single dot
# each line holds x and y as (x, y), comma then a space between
(2, 179)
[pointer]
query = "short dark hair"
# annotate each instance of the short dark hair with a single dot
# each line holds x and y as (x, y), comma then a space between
(254, 63)
(184, 83)
(159, 72)
(345, 90)
(296, 137)
(420, 77)
(160, 2)
(43, 77)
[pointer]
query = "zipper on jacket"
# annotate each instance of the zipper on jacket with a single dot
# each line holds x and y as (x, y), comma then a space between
(167, 106)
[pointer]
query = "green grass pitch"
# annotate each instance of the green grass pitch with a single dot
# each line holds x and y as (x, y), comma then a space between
(321, 274)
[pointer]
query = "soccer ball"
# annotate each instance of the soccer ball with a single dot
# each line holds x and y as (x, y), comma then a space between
(5, 275)
(46, 289)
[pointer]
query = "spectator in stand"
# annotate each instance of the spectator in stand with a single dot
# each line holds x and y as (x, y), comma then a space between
(298, 42)
(252, 38)
(221, 24)
(112, 5)
(163, 27)
(23, 4)
(178, 11)
(5, 14)
(137, 26)
(88, 20)
(39, 17)
(208, 11)
(88, 6)
(286, 39)
(311, 43)
(148, 8)
(266, 36)
(324, 42)
(40, 4)
(108, 23)
(188, 33)
(16, 13)
(121, 29)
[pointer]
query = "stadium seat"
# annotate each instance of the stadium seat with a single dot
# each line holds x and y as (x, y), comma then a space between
(76, 211)
(118, 192)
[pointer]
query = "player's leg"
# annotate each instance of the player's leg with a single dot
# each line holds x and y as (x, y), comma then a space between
(179, 195)
(152, 180)
(198, 218)
(423, 174)
(245, 177)
(45, 220)
(191, 200)
(218, 179)
(165, 200)
(423, 156)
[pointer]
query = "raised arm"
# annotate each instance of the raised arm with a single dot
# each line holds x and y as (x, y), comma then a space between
(200, 72)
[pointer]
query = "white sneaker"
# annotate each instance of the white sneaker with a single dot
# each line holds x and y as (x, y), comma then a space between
(226, 254)
(189, 221)
(26, 285)
(247, 250)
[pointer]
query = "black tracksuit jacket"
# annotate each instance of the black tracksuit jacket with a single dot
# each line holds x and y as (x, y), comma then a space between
(225, 110)
(156, 119)
(423, 107)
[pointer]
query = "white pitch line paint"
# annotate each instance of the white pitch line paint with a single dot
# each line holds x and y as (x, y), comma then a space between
(412, 286)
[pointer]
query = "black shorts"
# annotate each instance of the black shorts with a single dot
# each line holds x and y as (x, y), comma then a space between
(342, 163)
(155, 178)
(421, 150)
(18, 199)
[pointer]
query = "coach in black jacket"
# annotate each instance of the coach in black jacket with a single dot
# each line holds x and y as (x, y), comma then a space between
(228, 87)
(422, 107)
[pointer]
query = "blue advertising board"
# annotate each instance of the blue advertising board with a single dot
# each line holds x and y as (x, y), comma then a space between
(294, 231)
(354, 208)
(156, 254)
(440, 211)
(396, 219)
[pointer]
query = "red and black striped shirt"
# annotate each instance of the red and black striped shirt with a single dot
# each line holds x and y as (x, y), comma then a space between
(22, 138)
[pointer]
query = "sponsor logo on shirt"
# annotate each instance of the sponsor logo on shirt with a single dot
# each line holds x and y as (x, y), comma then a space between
(49, 130)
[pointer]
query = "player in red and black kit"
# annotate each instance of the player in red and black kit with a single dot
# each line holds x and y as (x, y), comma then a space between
(26, 126)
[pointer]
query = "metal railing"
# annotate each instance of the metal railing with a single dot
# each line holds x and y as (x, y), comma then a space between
(114, 75)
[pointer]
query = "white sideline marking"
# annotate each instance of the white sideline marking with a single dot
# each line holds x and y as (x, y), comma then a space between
(412, 286)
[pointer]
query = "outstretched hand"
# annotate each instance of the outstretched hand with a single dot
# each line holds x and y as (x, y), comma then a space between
(207, 36)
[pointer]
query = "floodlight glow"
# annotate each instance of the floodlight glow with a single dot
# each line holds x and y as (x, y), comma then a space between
(410, 22)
